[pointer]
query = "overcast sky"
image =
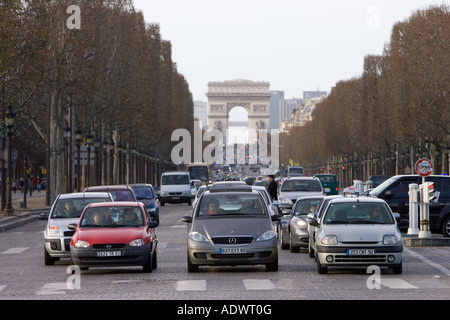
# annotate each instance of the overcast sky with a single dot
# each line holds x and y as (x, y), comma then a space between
(295, 45)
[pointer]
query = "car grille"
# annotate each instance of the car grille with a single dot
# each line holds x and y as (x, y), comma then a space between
(230, 240)
(108, 246)
(361, 259)
(233, 256)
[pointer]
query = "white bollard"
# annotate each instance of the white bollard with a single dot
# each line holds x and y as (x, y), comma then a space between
(413, 209)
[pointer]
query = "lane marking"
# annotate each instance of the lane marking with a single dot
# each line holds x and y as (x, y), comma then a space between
(15, 250)
(2, 287)
(443, 269)
(53, 288)
(191, 285)
(258, 284)
(397, 284)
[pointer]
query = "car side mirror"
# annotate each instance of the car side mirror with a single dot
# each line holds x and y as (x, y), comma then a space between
(275, 217)
(72, 226)
(187, 219)
(312, 220)
(152, 224)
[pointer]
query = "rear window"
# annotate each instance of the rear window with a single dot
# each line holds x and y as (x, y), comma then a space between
(301, 185)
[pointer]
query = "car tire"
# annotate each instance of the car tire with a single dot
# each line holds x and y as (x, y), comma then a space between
(292, 248)
(147, 267)
(397, 269)
(155, 260)
(446, 227)
(48, 260)
(321, 269)
(284, 244)
(191, 267)
(311, 251)
(271, 267)
(162, 203)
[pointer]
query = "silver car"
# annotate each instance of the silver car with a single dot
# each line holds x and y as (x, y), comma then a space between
(357, 231)
(294, 224)
(293, 188)
(66, 209)
(231, 226)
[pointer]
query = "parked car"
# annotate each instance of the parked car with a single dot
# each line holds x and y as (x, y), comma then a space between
(293, 188)
(231, 226)
(119, 192)
(357, 231)
(144, 193)
(378, 179)
(114, 234)
(329, 182)
(395, 192)
(294, 224)
(66, 209)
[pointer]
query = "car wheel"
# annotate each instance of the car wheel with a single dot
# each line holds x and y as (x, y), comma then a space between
(291, 245)
(397, 269)
(191, 267)
(147, 267)
(321, 269)
(49, 261)
(162, 203)
(155, 260)
(310, 251)
(446, 227)
(273, 266)
(284, 244)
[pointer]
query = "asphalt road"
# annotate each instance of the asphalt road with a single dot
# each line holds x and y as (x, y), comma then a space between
(426, 274)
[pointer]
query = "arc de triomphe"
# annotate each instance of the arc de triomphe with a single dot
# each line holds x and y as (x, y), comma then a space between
(224, 96)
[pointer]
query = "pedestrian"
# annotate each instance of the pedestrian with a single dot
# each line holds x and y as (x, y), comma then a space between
(22, 185)
(30, 186)
(14, 186)
(38, 184)
(273, 187)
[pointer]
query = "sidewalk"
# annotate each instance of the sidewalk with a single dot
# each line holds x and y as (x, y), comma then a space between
(35, 205)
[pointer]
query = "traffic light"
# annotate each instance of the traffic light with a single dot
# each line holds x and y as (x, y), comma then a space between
(430, 194)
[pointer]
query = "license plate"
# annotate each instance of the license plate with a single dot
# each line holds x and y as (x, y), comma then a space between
(232, 250)
(108, 253)
(175, 198)
(360, 252)
(327, 189)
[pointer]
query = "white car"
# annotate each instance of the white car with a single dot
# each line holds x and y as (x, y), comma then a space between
(357, 231)
(66, 209)
(293, 188)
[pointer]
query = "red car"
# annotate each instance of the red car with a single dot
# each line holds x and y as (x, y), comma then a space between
(114, 234)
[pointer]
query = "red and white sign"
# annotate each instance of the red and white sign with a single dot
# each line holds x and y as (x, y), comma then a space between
(424, 167)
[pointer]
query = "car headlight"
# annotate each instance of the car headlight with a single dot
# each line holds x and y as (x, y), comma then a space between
(151, 209)
(53, 231)
(197, 236)
(163, 193)
(136, 243)
(390, 239)
(329, 240)
(286, 201)
(301, 223)
(268, 235)
(81, 244)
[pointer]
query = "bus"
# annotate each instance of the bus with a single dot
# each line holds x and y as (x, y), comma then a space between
(199, 171)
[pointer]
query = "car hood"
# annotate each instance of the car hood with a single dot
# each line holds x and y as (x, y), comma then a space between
(360, 232)
(62, 224)
(109, 235)
(236, 226)
(149, 202)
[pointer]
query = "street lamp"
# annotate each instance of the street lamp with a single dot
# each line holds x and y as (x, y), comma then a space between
(89, 141)
(78, 137)
(9, 121)
(67, 185)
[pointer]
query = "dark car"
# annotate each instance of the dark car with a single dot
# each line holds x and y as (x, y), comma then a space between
(114, 234)
(378, 179)
(395, 192)
(231, 226)
(329, 183)
(119, 192)
(145, 193)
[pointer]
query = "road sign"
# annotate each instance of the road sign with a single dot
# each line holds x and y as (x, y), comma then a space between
(424, 167)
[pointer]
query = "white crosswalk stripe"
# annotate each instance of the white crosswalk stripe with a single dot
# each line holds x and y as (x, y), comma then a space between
(15, 250)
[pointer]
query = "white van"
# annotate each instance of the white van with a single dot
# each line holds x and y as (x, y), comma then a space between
(295, 171)
(175, 188)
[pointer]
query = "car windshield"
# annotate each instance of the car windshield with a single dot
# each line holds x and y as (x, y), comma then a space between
(72, 208)
(303, 207)
(376, 191)
(358, 213)
(301, 185)
(143, 192)
(112, 217)
(215, 205)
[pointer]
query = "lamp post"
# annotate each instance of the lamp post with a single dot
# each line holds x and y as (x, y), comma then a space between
(89, 140)
(67, 185)
(78, 137)
(9, 121)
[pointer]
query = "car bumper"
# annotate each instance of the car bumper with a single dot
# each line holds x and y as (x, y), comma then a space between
(207, 254)
(129, 256)
(299, 238)
(175, 199)
(58, 247)
(338, 256)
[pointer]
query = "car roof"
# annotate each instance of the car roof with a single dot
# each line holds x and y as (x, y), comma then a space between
(116, 204)
(140, 185)
(301, 178)
(108, 187)
(79, 195)
(362, 199)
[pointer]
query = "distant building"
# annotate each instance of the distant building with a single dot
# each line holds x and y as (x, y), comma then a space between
(200, 113)
(275, 105)
(313, 94)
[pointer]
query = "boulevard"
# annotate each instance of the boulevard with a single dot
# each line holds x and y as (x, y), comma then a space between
(426, 275)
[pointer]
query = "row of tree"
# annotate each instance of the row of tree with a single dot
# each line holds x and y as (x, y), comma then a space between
(93, 67)
(397, 111)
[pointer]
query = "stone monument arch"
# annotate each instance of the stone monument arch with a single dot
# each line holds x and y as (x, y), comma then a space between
(224, 96)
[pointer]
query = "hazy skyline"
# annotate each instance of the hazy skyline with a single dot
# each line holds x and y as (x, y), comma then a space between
(294, 45)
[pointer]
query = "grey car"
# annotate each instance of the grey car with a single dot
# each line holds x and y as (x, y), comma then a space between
(66, 209)
(231, 226)
(294, 224)
(357, 231)
(293, 188)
